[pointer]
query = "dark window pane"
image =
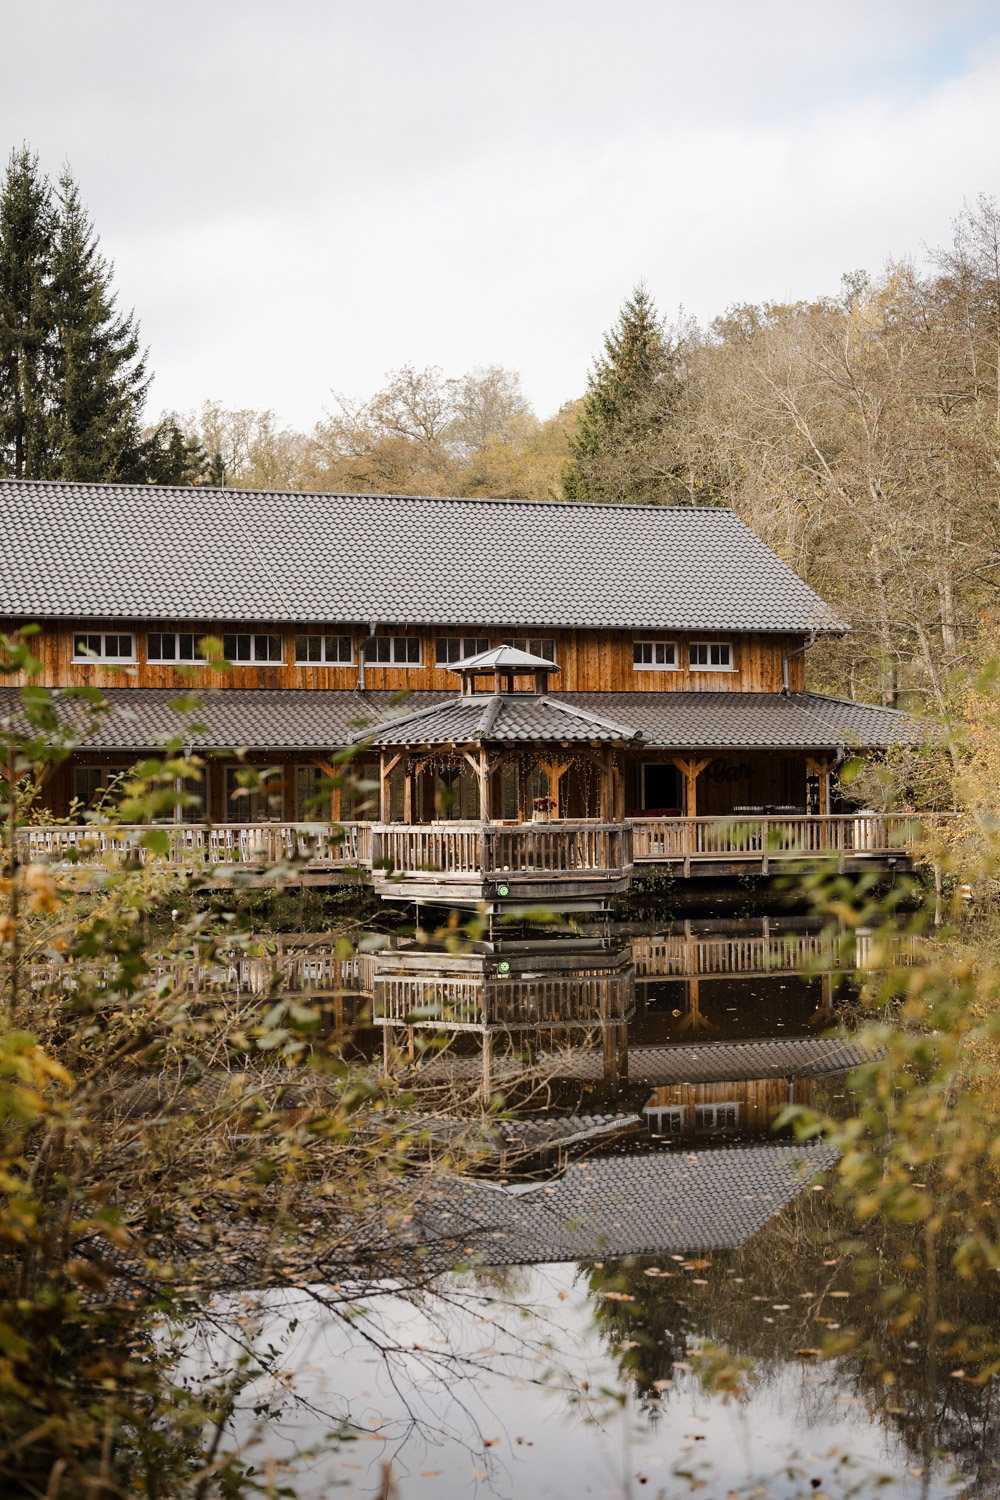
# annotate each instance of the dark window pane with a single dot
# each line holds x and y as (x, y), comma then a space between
(185, 646)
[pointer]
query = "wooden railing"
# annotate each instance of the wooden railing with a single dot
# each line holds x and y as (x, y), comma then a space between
(462, 1000)
(299, 972)
(791, 953)
(321, 846)
(761, 839)
(464, 850)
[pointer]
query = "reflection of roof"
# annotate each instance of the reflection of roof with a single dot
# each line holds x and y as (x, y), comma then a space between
(723, 1062)
(654, 1202)
(507, 657)
(152, 552)
(311, 719)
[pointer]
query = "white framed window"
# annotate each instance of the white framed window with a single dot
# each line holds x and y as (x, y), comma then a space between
(709, 1117)
(180, 645)
(393, 650)
(665, 1119)
(452, 648)
(710, 656)
(103, 646)
(535, 645)
(97, 786)
(654, 656)
(316, 650)
(252, 648)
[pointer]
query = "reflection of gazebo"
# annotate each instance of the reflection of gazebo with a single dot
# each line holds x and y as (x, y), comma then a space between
(503, 751)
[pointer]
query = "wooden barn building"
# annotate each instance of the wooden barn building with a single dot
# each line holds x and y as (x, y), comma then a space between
(497, 663)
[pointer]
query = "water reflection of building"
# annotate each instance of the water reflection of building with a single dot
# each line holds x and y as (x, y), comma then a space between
(748, 1106)
(510, 1001)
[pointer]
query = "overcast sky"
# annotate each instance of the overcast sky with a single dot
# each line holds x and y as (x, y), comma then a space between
(300, 196)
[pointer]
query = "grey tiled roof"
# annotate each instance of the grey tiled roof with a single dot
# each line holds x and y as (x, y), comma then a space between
(500, 721)
(745, 720)
(652, 1203)
(148, 552)
(721, 1062)
(311, 719)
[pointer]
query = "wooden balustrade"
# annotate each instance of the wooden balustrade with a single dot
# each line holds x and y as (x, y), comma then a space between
(466, 850)
(551, 1001)
(321, 846)
(761, 839)
(460, 853)
(698, 956)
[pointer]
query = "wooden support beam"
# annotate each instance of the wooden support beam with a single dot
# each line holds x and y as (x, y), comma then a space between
(407, 791)
(690, 768)
(385, 770)
(332, 773)
(820, 766)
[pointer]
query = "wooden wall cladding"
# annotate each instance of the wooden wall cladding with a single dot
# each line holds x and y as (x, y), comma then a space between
(590, 661)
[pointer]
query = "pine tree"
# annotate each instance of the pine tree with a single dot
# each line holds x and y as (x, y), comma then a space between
(26, 230)
(617, 453)
(97, 378)
(171, 456)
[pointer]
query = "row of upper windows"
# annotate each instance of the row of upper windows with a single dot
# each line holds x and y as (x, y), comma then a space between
(661, 656)
(168, 647)
(310, 650)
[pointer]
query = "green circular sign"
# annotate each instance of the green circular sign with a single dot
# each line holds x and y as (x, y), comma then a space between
(503, 966)
(503, 890)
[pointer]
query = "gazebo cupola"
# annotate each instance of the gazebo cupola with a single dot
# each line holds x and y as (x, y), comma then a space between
(504, 672)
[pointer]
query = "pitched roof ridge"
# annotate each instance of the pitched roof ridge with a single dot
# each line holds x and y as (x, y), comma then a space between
(880, 708)
(207, 490)
(489, 717)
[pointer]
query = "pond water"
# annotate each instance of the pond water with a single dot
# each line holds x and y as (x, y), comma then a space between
(661, 1297)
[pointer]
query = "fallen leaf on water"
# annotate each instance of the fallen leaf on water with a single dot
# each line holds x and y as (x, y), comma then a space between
(917, 1473)
(780, 1306)
(429, 1473)
(808, 1352)
(490, 1442)
(840, 1294)
(563, 1296)
(681, 1364)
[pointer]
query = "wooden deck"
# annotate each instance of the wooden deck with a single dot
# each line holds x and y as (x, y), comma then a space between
(561, 865)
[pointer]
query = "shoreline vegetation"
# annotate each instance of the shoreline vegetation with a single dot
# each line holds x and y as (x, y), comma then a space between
(147, 1159)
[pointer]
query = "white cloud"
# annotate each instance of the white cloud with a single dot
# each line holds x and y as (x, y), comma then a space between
(302, 198)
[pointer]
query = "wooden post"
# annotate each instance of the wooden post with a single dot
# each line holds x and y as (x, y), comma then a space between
(690, 768)
(523, 810)
(385, 770)
(607, 801)
(407, 790)
(482, 772)
(821, 769)
(619, 777)
(330, 771)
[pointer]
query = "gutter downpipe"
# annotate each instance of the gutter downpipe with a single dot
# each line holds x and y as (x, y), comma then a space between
(799, 651)
(372, 627)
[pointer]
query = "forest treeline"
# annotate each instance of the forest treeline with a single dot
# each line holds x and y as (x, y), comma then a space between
(857, 434)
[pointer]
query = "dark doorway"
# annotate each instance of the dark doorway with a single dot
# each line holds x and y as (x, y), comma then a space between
(660, 788)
